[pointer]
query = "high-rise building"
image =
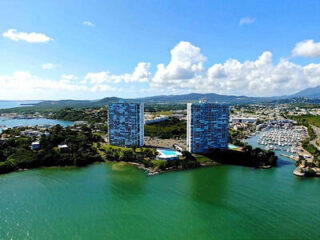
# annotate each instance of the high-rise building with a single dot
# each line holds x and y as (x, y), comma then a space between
(207, 127)
(126, 124)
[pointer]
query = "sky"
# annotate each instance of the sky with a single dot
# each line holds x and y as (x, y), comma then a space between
(90, 49)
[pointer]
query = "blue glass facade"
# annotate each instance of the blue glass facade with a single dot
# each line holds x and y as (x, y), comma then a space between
(126, 124)
(207, 127)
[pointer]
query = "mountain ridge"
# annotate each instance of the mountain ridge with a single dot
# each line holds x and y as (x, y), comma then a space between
(312, 93)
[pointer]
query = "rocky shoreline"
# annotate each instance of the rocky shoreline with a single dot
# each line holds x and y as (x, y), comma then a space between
(307, 172)
(152, 172)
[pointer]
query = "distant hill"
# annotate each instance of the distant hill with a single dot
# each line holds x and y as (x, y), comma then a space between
(194, 97)
(76, 103)
(63, 103)
(308, 93)
(171, 99)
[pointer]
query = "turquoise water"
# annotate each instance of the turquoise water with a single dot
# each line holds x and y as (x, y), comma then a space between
(112, 201)
(12, 104)
(31, 122)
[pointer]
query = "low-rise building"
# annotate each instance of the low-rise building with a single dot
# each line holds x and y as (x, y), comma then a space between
(243, 120)
(156, 120)
(35, 145)
(63, 148)
(30, 133)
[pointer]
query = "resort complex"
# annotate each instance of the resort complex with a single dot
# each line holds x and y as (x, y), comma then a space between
(126, 124)
(207, 126)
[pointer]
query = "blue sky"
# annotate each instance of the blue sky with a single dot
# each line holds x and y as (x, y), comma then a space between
(93, 49)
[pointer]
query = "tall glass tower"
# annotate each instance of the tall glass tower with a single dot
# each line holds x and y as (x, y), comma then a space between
(126, 124)
(207, 126)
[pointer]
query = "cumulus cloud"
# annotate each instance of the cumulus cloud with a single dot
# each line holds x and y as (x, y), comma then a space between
(102, 88)
(307, 48)
(24, 85)
(246, 21)
(25, 80)
(68, 77)
(33, 37)
(185, 73)
(140, 74)
(186, 63)
(88, 23)
(48, 66)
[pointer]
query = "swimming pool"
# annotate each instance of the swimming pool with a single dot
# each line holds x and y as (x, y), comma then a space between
(231, 146)
(168, 154)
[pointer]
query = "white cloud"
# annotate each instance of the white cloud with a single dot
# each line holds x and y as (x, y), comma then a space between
(185, 73)
(69, 77)
(23, 85)
(48, 66)
(186, 63)
(246, 20)
(88, 23)
(102, 88)
(140, 74)
(307, 48)
(24, 81)
(33, 37)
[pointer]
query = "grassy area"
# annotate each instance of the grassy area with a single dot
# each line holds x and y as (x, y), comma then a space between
(168, 129)
(309, 147)
(108, 147)
(306, 120)
(157, 164)
(166, 113)
(202, 159)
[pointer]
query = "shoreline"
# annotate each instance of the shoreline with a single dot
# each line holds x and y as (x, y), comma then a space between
(149, 171)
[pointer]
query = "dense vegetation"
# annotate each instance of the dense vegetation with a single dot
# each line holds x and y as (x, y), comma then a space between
(247, 157)
(309, 147)
(92, 115)
(15, 152)
(147, 157)
(235, 137)
(305, 120)
(164, 107)
(172, 128)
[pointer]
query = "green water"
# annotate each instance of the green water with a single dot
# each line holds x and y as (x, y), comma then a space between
(106, 201)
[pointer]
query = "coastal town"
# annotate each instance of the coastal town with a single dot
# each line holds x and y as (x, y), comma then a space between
(139, 120)
(170, 134)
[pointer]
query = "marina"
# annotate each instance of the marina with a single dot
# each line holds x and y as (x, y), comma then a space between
(283, 139)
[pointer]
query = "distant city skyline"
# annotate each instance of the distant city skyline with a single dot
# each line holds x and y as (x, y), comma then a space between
(96, 49)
